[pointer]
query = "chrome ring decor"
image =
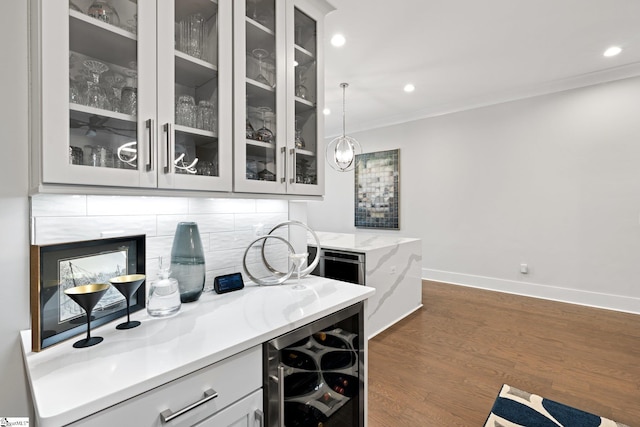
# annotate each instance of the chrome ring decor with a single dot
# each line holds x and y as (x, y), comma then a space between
(279, 277)
(316, 259)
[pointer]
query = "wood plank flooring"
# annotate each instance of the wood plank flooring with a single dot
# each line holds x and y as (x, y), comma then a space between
(444, 364)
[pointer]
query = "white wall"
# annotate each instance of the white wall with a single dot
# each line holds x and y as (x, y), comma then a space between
(226, 226)
(14, 206)
(551, 181)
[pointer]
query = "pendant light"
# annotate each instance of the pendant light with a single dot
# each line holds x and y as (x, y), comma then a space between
(341, 152)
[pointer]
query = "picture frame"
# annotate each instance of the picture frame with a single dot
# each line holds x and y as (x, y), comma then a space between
(56, 267)
(377, 190)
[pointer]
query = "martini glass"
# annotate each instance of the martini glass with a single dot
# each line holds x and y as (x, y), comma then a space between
(261, 54)
(87, 296)
(96, 96)
(127, 286)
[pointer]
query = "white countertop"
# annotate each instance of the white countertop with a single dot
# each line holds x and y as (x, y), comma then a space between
(68, 384)
(359, 242)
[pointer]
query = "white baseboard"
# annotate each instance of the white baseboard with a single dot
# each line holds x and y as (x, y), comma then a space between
(554, 293)
(395, 321)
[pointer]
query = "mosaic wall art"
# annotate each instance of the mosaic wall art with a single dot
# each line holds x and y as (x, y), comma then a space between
(377, 190)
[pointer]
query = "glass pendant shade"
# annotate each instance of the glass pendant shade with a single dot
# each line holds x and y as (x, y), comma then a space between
(341, 152)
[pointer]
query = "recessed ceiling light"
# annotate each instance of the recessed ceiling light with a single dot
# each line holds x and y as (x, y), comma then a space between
(338, 40)
(409, 88)
(326, 111)
(612, 51)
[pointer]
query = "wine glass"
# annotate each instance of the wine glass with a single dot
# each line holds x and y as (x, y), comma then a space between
(299, 141)
(264, 134)
(87, 296)
(127, 286)
(298, 260)
(301, 90)
(261, 54)
(96, 96)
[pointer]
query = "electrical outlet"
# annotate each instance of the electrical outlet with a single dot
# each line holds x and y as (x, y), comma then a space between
(524, 269)
(258, 230)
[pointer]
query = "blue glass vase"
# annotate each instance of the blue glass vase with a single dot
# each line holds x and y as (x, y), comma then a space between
(187, 261)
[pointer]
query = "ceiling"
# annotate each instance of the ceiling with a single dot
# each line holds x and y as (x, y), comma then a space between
(462, 54)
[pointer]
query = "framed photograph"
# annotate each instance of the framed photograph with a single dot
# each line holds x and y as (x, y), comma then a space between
(377, 190)
(56, 317)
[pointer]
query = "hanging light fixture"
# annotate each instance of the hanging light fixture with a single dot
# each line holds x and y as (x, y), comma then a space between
(341, 152)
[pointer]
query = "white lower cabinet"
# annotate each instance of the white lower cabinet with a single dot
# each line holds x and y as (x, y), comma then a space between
(227, 393)
(245, 413)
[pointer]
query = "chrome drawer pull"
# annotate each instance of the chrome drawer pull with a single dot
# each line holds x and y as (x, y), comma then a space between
(167, 415)
(260, 417)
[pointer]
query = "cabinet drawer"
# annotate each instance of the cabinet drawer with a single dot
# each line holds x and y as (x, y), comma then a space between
(232, 378)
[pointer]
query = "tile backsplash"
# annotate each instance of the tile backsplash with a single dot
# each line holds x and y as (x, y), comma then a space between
(226, 226)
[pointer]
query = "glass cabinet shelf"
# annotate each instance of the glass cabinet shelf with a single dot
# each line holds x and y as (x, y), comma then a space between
(193, 72)
(100, 112)
(195, 131)
(96, 38)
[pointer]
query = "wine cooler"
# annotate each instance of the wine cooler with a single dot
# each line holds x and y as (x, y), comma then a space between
(314, 375)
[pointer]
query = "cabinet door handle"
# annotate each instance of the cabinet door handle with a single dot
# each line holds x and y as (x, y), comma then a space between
(293, 166)
(260, 417)
(150, 126)
(168, 131)
(283, 150)
(168, 415)
(281, 396)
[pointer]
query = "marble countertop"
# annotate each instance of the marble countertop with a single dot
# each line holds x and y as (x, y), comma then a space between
(358, 242)
(134, 361)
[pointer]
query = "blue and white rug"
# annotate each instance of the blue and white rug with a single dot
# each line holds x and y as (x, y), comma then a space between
(517, 408)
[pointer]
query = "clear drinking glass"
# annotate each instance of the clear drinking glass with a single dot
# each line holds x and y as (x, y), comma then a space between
(205, 116)
(186, 111)
(192, 38)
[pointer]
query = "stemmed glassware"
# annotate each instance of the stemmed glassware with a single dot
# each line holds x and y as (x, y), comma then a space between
(87, 296)
(298, 260)
(105, 12)
(299, 141)
(115, 82)
(260, 54)
(96, 96)
(127, 286)
(264, 134)
(301, 90)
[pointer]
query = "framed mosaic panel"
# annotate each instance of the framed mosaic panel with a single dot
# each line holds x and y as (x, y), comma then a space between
(377, 190)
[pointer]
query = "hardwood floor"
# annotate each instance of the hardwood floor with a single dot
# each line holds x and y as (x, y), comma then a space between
(444, 364)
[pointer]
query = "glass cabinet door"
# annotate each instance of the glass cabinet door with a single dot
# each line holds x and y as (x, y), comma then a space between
(95, 127)
(193, 98)
(260, 90)
(305, 123)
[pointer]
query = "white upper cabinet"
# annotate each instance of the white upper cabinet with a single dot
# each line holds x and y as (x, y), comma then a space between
(143, 94)
(108, 80)
(278, 93)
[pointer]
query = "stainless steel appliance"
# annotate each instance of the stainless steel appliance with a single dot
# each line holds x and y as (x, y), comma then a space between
(339, 265)
(314, 375)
